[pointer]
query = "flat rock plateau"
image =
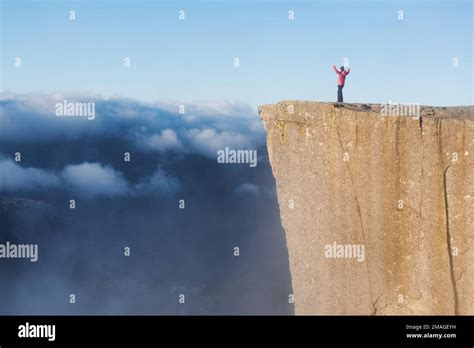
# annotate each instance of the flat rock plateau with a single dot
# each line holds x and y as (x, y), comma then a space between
(378, 210)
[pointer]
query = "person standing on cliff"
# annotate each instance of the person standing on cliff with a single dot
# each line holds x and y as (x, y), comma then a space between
(341, 79)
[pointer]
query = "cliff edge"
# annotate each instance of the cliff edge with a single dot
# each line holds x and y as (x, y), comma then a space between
(378, 210)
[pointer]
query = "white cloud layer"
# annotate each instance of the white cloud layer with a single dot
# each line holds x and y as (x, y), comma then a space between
(166, 140)
(85, 179)
(204, 128)
(159, 181)
(208, 141)
(92, 179)
(15, 177)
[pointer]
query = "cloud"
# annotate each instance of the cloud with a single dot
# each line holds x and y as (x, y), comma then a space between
(210, 109)
(166, 140)
(92, 179)
(123, 124)
(204, 127)
(159, 181)
(85, 179)
(15, 177)
(208, 141)
(247, 188)
(85, 160)
(19, 114)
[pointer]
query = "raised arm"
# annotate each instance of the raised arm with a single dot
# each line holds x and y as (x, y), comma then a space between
(335, 69)
(348, 71)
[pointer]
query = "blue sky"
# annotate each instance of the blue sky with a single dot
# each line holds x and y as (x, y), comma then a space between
(407, 60)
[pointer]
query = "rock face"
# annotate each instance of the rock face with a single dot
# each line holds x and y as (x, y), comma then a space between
(378, 210)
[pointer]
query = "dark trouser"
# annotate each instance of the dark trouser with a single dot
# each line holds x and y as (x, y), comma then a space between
(339, 93)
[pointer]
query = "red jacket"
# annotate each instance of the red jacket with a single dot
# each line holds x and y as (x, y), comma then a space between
(341, 75)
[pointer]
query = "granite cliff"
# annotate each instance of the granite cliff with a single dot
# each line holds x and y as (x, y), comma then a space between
(378, 210)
